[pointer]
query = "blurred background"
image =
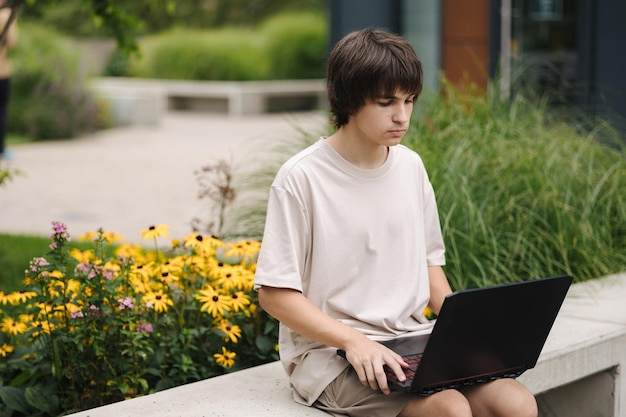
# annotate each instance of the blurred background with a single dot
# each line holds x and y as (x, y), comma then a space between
(568, 49)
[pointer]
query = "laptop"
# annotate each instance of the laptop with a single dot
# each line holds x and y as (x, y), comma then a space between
(480, 335)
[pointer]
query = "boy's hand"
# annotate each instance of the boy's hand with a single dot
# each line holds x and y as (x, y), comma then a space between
(368, 358)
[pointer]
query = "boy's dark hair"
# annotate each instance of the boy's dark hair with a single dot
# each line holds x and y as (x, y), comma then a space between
(368, 64)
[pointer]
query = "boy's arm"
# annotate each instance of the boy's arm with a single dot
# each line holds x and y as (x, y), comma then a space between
(439, 287)
(367, 357)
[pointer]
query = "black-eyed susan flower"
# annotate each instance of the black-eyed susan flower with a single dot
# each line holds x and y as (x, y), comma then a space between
(86, 237)
(5, 349)
(168, 277)
(207, 245)
(214, 303)
(232, 331)
(112, 237)
(82, 256)
(157, 300)
(239, 300)
(230, 279)
(129, 250)
(39, 328)
(429, 313)
(12, 327)
(226, 358)
(22, 296)
(4, 298)
(153, 232)
(141, 284)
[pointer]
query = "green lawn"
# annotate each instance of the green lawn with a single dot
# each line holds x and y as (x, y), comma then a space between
(16, 251)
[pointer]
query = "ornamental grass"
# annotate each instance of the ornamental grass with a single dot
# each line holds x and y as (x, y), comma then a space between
(120, 320)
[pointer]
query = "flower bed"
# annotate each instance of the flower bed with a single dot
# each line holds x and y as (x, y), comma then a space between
(120, 320)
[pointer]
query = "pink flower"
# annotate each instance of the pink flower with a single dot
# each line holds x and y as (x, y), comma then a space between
(145, 328)
(76, 314)
(59, 232)
(37, 264)
(126, 302)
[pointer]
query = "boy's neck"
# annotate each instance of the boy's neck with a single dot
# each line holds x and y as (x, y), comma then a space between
(357, 152)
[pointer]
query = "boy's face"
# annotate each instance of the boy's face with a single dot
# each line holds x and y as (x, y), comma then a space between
(384, 120)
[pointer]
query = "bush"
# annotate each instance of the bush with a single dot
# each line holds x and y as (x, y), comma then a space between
(49, 98)
(521, 193)
(287, 46)
(225, 55)
(296, 45)
(101, 325)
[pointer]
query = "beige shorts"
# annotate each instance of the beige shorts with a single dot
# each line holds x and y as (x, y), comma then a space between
(346, 396)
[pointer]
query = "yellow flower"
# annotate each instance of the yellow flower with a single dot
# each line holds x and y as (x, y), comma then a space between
(226, 358)
(4, 298)
(87, 236)
(141, 284)
(232, 331)
(153, 232)
(214, 302)
(82, 255)
(129, 250)
(157, 300)
(429, 313)
(167, 277)
(5, 349)
(239, 300)
(40, 327)
(10, 326)
(112, 237)
(20, 296)
(241, 249)
(207, 245)
(228, 277)
(111, 269)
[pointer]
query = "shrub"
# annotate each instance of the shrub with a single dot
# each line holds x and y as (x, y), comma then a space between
(49, 98)
(100, 325)
(296, 45)
(225, 55)
(521, 193)
(288, 46)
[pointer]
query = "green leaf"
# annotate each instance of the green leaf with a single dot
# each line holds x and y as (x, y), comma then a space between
(42, 400)
(265, 344)
(14, 399)
(21, 378)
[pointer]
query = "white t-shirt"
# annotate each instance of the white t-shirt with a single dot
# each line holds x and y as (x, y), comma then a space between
(357, 243)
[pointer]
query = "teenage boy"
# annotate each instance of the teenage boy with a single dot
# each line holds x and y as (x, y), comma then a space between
(352, 250)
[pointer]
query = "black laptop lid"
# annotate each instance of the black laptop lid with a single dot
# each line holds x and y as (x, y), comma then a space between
(492, 330)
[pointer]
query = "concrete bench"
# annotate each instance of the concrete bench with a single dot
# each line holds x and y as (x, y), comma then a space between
(229, 97)
(578, 373)
(129, 103)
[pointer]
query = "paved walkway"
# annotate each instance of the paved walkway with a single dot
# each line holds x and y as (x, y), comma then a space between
(126, 179)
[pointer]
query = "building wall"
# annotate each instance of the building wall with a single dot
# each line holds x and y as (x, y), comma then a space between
(465, 41)
(421, 26)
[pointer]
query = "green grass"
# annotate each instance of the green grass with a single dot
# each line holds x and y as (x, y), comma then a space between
(523, 190)
(16, 251)
(13, 139)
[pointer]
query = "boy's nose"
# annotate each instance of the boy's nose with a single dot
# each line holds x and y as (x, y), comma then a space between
(401, 114)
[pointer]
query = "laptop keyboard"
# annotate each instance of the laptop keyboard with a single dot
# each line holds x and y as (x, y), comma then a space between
(413, 361)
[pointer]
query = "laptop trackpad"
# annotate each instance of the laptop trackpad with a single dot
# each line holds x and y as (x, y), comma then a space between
(411, 345)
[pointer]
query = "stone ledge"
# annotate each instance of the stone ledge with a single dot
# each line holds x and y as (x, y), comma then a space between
(130, 96)
(588, 339)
